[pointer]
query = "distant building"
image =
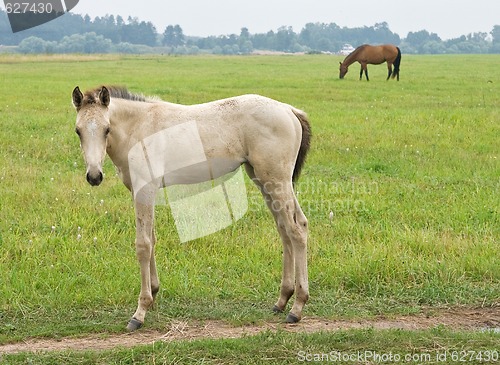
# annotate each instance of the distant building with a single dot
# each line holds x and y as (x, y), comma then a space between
(346, 49)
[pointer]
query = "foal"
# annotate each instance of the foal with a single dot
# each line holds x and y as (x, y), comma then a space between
(270, 138)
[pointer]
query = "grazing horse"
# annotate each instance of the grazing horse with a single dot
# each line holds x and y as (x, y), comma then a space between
(374, 55)
(270, 138)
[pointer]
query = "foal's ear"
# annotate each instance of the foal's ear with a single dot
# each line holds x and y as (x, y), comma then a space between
(77, 98)
(104, 97)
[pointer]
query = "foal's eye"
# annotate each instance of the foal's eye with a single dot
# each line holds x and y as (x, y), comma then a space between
(106, 131)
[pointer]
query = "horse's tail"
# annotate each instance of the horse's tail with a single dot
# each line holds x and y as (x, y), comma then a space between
(304, 144)
(397, 63)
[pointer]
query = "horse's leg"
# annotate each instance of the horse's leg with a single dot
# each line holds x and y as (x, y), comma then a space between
(144, 216)
(155, 282)
(300, 256)
(292, 225)
(287, 277)
(389, 68)
(364, 67)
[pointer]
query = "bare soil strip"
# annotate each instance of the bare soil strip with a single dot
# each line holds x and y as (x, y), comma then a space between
(458, 318)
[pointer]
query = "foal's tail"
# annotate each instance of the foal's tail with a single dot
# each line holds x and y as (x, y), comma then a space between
(304, 144)
(397, 63)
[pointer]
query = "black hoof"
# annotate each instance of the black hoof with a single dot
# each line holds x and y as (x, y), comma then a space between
(292, 318)
(277, 310)
(133, 324)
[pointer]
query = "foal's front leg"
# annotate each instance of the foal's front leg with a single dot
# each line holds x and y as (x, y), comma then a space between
(144, 245)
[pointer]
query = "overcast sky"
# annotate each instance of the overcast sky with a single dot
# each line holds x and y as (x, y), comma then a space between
(447, 18)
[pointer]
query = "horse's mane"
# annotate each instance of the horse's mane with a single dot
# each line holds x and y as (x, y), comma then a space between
(120, 92)
(354, 53)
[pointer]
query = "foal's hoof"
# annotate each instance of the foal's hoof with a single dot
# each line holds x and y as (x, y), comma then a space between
(292, 318)
(277, 310)
(133, 324)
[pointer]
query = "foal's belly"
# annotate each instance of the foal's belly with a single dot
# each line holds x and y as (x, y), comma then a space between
(200, 172)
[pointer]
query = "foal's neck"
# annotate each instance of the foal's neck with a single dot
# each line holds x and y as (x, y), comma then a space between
(124, 112)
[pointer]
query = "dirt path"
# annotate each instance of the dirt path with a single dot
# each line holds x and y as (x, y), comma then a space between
(468, 319)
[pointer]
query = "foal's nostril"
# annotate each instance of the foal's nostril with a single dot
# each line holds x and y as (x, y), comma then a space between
(94, 179)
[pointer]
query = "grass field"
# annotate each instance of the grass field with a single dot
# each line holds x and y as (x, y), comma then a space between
(409, 169)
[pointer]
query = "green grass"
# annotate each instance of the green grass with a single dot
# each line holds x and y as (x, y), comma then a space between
(437, 346)
(410, 171)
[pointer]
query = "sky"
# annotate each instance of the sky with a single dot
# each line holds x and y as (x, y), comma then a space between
(447, 18)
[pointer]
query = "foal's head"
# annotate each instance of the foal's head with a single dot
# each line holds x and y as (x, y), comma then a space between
(343, 70)
(92, 126)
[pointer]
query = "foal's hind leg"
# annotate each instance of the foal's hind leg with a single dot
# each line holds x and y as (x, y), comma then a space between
(155, 282)
(292, 226)
(293, 222)
(287, 277)
(299, 228)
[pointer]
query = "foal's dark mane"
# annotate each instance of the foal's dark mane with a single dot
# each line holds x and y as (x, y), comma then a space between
(121, 92)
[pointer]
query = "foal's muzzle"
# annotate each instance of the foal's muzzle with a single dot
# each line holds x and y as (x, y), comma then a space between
(94, 179)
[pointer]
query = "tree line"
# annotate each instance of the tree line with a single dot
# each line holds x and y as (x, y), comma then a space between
(73, 33)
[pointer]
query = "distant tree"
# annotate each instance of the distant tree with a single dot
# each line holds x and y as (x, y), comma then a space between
(229, 49)
(119, 21)
(472, 43)
(138, 32)
(32, 45)
(285, 39)
(417, 40)
(245, 33)
(72, 44)
(206, 43)
(433, 47)
(84, 43)
(125, 47)
(495, 34)
(246, 47)
(173, 36)
(82, 34)
(382, 34)
(96, 43)
(323, 44)
(147, 34)
(259, 41)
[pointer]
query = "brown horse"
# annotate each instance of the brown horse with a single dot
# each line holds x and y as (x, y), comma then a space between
(374, 55)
